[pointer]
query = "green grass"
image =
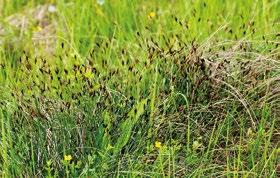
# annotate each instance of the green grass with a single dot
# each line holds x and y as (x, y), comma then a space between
(104, 83)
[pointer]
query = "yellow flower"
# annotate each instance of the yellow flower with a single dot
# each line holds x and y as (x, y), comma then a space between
(67, 158)
(158, 144)
(89, 75)
(38, 28)
(152, 14)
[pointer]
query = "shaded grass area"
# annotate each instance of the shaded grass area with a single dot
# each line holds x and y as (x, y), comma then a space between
(139, 88)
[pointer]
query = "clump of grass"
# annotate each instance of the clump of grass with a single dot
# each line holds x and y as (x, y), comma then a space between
(156, 95)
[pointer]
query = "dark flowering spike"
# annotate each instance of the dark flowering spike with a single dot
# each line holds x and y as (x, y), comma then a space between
(180, 23)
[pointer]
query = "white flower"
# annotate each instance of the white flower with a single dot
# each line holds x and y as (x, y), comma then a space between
(100, 2)
(51, 8)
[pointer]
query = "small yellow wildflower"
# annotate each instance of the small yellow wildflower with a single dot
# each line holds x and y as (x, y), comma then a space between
(152, 14)
(158, 144)
(39, 28)
(67, 158)
(88, 74)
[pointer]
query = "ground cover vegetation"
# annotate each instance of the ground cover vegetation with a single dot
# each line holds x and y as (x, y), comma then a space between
(126, 88)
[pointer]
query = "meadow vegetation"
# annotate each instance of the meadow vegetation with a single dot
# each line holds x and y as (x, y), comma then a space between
(135, 88)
